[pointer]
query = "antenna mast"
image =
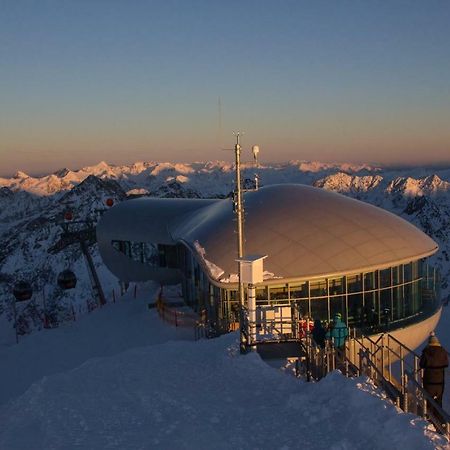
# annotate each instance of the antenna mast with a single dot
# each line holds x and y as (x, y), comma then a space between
(240, 232)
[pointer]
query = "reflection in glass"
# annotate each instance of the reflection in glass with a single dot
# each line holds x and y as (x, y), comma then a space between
(354, 283)
(355, 310)
(278, 292)
(318, 288)
(369, 281)
(385, 278)
(336, 286)
(319, 309)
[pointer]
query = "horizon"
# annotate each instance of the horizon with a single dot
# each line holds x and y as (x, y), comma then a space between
(346, 82)
(263, 164)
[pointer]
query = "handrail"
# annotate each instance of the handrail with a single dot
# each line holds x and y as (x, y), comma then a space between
(391, 391)
(444, 428)
(375, 358)
(403, 345)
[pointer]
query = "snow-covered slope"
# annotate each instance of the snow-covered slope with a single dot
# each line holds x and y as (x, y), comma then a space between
(121, 379)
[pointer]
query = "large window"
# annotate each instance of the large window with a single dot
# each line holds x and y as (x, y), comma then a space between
(336, 286)
(298, 291)
(279, 292)
(318, 288)
(156, 255)
(365, 300)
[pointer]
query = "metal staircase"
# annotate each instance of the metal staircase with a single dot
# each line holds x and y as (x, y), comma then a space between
(391, 365)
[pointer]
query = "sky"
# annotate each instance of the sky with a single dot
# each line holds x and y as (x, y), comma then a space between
(123, 81)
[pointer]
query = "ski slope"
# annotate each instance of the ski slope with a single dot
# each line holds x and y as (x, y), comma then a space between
(119, 378)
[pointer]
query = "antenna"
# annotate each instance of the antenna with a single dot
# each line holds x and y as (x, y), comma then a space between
(219, 105)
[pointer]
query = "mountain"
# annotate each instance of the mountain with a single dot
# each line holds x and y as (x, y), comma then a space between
(32, 208)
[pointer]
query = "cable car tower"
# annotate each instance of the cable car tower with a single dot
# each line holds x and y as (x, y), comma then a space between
(81, 232)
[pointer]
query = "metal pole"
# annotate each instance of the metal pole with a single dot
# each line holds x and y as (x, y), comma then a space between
(240, 245)
(252, 315)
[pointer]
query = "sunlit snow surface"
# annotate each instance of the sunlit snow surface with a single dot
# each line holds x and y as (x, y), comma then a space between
(121, 379)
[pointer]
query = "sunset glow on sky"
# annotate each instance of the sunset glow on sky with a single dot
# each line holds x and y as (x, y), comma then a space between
(84, 81)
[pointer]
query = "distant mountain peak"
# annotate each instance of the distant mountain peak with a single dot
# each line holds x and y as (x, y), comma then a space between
(343, 182)
(412, 187)
(61, 173)
(20, 175)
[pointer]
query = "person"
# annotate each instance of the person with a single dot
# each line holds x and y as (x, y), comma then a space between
(339, 332)
(318, 333)
(434, 360)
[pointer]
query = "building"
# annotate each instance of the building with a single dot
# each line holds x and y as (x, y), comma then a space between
(327, 253)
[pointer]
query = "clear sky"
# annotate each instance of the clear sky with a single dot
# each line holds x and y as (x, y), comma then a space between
(89, 80)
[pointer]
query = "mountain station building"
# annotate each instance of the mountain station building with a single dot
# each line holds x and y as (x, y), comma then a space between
(327, 254)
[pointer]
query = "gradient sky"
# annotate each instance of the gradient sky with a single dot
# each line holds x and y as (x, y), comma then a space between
(89, 80)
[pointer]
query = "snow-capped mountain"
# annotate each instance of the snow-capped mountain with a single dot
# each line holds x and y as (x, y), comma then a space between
(32, 208)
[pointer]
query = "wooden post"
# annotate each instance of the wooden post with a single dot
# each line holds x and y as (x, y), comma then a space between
(114, 295)
(135, 290)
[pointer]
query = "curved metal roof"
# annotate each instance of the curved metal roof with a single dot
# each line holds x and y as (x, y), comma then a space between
(306, 232)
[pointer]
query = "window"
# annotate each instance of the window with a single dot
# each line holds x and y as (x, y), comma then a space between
(299, 291)
(385, 278)
(303, 308)
(369, 281)
(397, 275)
(319, 309)
(355, 310)
(337, 305)
(336, 286)
(318, 288)
(370, 309)
(397, 303)
(354, 283)
(156, 255)
(408, 272)
(415, 270)
(261, 293)
(278, 292)
(385, 306)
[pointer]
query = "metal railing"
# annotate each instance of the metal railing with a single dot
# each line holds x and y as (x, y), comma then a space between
(390, 364)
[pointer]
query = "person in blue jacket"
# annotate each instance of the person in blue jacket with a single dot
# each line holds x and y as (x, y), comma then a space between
(339, 332)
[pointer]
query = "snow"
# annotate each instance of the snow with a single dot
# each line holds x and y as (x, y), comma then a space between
(104, 332)
(121, 379)
(234, 277)
(215, 271)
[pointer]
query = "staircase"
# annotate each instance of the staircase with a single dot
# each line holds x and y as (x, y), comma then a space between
(391, 365)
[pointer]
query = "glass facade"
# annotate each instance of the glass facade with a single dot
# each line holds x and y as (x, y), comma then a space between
(155, 255)
(373, 301)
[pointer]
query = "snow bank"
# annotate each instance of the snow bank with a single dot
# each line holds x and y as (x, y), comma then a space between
(202, 395)
(107, 331)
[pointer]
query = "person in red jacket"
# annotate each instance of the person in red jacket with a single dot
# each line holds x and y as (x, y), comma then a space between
(434, 360)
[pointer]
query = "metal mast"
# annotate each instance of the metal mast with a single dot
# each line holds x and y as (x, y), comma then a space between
(240, 232)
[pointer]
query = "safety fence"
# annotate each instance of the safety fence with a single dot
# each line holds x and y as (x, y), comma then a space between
(390, 364)
(179, 318)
